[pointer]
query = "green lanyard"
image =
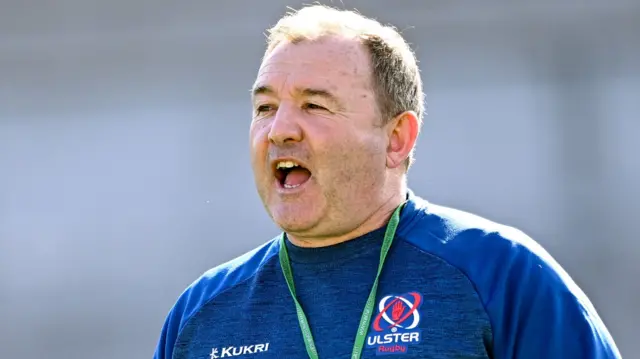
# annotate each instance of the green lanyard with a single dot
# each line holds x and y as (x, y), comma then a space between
(368, 308)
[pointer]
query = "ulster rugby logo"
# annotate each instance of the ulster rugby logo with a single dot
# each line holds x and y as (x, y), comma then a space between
(395, 326)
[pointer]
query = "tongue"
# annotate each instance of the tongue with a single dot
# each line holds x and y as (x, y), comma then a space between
(297, 176)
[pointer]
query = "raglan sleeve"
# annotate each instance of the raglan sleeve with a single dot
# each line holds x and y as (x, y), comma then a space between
(538, 311)
(169, 332)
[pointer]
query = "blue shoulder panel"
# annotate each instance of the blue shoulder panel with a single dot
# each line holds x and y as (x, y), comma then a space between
(206, 288)
(536, 309)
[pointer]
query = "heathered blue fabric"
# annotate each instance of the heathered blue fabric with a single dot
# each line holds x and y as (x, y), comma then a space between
(454, 286)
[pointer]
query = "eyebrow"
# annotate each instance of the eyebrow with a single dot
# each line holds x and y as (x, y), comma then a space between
(305, 92)
(262, 90)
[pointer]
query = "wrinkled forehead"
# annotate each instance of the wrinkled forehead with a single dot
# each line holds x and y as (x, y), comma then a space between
(339, 65)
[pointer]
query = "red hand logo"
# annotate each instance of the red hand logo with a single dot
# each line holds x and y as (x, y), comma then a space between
(397, 311)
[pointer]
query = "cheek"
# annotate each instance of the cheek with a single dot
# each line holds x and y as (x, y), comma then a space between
(258, 148)
(371, 156)
(354, 156)
(258, 138)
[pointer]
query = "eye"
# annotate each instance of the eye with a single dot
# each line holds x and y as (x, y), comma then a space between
(313, 106)
(263, 108)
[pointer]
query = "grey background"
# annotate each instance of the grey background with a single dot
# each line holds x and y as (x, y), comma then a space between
(124, 166)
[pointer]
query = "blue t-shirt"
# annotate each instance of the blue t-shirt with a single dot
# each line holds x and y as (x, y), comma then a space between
(454, 285)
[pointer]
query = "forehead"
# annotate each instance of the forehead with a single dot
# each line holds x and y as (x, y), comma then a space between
(336, 64)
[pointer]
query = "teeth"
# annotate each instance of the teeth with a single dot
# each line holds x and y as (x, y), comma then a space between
(290, 186)
(286, 164)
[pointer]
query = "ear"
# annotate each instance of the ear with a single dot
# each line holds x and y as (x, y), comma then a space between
(403, 133)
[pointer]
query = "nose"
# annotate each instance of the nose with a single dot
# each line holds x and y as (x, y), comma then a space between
(285, 127)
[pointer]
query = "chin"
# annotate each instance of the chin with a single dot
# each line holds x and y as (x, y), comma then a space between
(292, 221)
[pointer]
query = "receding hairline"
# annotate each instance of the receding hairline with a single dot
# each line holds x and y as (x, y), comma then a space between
(354, 49)
(319, 21)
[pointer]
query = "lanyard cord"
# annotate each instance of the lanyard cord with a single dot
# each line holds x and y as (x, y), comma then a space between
(368, 308)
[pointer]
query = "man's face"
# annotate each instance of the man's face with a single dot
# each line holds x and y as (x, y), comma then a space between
(313, 105)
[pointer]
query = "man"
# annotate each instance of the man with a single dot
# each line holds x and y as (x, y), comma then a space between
(364, 267)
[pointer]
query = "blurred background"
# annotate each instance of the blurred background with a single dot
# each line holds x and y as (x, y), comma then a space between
(124, 164)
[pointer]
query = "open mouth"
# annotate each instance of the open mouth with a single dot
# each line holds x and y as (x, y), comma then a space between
(291, 175)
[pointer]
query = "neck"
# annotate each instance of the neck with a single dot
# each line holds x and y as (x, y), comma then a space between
(377, 219)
